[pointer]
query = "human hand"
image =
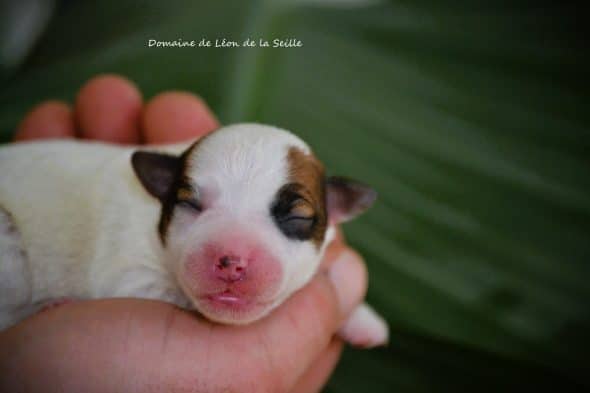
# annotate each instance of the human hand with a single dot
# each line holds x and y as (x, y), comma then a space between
(138, 345)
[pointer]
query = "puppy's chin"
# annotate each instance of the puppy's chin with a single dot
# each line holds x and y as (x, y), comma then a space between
(230, 309)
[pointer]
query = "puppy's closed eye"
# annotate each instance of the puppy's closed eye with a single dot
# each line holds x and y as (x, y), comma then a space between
(298, 227)
(295, 218)
(299, 210)
(187, 198)
(192, 204)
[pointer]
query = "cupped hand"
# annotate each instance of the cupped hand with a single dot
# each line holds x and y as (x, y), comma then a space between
(127, 345)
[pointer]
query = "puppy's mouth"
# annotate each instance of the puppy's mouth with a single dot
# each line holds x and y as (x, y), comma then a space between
(232, 308)
(229, 298)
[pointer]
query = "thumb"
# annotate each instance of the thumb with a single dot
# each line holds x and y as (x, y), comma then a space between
(296, 333)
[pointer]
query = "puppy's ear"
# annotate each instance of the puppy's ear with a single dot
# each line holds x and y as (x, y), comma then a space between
(156, 171)
(347, 198)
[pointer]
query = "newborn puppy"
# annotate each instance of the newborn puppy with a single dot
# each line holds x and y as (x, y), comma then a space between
(230, 226)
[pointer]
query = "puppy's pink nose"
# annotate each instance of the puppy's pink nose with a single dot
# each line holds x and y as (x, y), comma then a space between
(230, 268)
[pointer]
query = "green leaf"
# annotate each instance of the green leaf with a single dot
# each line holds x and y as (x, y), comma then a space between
(469, 118)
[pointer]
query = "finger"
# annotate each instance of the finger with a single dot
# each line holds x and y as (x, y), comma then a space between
(108, 108)
(175, 117)
(311, 317)
(318, 373)
(349, 275)
(51, 119)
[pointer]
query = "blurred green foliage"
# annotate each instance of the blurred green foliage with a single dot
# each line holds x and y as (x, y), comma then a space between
(470, 119)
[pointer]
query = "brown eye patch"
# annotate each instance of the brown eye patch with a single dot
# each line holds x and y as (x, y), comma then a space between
(299, 209)
(293, 215)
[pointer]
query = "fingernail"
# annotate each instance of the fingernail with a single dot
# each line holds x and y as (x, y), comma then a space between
(346, 274)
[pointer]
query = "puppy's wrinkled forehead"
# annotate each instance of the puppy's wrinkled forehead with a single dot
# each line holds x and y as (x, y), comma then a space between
(242, 167)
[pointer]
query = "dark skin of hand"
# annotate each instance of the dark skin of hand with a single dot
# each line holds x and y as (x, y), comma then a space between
(133, 345)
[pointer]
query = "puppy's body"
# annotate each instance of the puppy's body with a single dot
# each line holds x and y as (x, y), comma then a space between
(85, 223)
(234, 224)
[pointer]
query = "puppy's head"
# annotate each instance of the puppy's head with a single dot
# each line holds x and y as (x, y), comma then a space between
(246, 214)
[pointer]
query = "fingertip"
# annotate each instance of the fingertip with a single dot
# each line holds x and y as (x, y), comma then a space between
(50, 119)
(177, 116)
(108, 108)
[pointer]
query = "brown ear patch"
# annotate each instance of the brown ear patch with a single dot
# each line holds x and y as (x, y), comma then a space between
(300, 207)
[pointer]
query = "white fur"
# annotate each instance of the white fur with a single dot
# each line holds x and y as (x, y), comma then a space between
(14, 265)
(86, 223)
